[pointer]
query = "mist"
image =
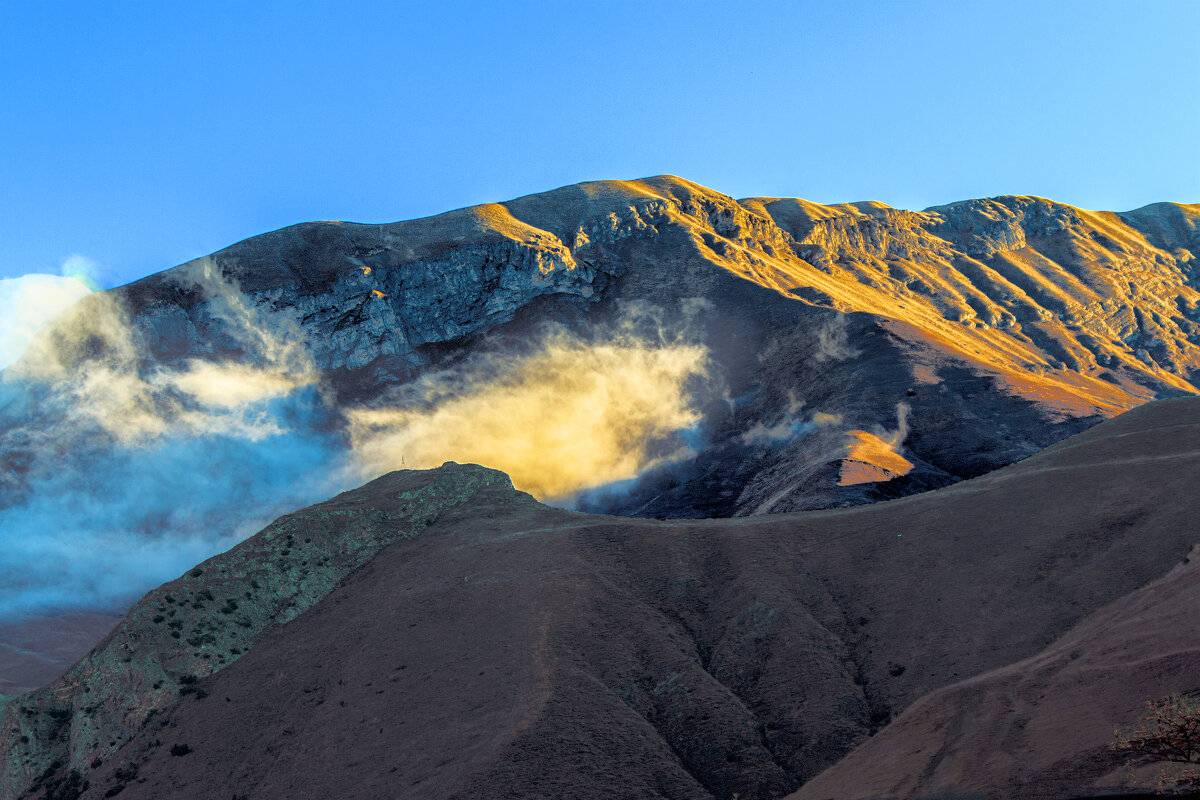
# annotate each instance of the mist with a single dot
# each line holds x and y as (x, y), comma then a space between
(119, 472)
(570, 416)
(27, 304)
(106, 523)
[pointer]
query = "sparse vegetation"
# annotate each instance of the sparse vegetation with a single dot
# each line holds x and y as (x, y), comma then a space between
(122, 777)
(1169, 730)
(187, 685)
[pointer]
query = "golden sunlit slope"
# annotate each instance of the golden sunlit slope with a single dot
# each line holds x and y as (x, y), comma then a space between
(1062, 299)
(1066, 302)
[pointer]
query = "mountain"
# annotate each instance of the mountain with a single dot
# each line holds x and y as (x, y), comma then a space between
(645, 348)
(819, 355)
(439, 634)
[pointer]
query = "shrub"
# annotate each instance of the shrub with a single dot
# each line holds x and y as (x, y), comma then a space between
(1168, 731)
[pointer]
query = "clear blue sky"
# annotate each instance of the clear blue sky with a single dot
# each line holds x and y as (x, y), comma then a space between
(140, 135)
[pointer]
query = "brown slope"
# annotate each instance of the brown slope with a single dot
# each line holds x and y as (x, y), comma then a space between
(1042, 727)
(35, 652)
(513, 650)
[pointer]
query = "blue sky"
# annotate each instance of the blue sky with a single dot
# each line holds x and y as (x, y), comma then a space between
(135, 136)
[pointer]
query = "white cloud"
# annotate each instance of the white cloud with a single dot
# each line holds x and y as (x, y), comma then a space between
(27, 304)
(82, 269)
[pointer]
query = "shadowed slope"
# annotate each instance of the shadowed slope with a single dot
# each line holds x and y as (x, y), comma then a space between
(1042, 727)
(513, 650)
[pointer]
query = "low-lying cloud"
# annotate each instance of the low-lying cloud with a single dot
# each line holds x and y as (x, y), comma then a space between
(895, 438)
(91, 368)
(569, 416)
(101, 525)
(833, 341)
(119, 471)
(784, 426)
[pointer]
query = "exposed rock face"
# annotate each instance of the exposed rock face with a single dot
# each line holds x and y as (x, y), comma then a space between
(436, 634)
(1002, 325)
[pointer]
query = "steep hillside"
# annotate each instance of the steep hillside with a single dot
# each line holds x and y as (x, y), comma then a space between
(976, 333)
(436, 634)
(1042, 727)
(646, 348)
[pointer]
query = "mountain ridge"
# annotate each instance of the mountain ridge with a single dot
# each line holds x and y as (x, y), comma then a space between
(378, 305)
(701, 356)
(549, 237)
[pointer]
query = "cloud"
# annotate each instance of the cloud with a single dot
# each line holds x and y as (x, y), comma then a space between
(787, 424)
(833, 341)
(895, 438)
(568, 416)
(27, 304)
(118, 472)
(226, 386)
(101, 525)
(91, 367)
(82, 269)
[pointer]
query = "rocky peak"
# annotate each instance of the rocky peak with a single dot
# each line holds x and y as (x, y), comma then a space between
(982, 228)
